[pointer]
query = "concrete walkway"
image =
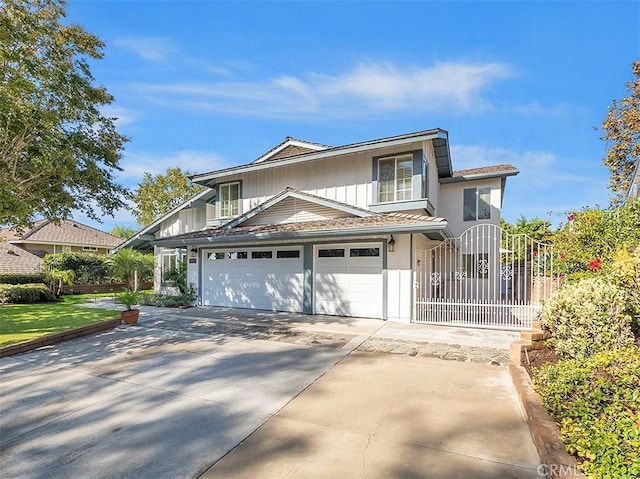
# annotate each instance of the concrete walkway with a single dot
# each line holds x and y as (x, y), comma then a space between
(171, 397)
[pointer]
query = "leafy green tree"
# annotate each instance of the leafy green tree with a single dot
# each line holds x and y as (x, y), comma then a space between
(159, 194)
(126, 263)
(622, 133)
(124, 232)
(536, 229)
(58, 150)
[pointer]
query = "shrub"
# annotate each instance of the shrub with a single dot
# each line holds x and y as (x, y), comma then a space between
(597, 403)
(25, 293)
(185, 299)
(587, 317)
(11, 278)
(88, 267)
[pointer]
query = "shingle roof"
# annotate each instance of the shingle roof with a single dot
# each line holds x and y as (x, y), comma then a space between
(67, 232)
(18, 261)
(320, 226)
(497, 169)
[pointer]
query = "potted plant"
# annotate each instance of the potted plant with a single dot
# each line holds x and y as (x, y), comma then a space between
(129, 298)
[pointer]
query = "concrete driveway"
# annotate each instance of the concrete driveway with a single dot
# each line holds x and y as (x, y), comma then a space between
(172, 397)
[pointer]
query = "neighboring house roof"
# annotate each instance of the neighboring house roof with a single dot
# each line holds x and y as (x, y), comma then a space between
(68, 232)
(290, 147)
(496, 171)
(438, 136)
(376, 224)
(15, 260)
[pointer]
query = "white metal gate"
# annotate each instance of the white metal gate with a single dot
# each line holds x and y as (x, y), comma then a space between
(485, 278)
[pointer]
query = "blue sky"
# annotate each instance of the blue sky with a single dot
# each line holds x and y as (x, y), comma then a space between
(205, 85)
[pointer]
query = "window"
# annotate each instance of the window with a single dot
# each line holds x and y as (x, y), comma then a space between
(262, 254)
(214, 256)
(61, 248)
(229, 199)
(170, 259)
(89, 248)
(356, 252)
(331, 253)
(237, 255)
(425, 178)
(294, 253)
(477, 204)
(395, 178)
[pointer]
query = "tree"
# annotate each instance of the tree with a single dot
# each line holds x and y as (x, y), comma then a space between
(127, 263)
(622, 132)
(536, 229)
(159, 194)
(121, 231)
(58, 151)
(60, 277)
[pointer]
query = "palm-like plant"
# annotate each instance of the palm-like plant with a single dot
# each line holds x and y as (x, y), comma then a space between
(126, 262)
(60, 277)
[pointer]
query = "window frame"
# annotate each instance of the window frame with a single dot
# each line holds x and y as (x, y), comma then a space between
(221, 209)
(396, 181)
(473, 213)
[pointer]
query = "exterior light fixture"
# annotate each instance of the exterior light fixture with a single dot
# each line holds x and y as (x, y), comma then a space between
(391, 245)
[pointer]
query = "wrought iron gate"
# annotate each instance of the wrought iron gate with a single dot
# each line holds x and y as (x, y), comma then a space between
(484, 278)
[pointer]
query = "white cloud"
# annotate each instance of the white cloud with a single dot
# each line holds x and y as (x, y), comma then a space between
(368, 89)
(136, 164)
(123, 116)
(153, 49)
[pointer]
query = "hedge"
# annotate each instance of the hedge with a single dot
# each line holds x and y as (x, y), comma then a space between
(25, 293)
(12, 278)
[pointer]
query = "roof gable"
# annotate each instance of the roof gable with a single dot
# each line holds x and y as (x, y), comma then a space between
(290, 147)
(293, 206)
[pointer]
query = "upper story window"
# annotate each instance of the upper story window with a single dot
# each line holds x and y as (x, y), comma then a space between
(229, 199)
(477, 204)
(395, 178)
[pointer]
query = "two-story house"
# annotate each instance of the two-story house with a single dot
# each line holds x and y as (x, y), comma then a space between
(327, 230)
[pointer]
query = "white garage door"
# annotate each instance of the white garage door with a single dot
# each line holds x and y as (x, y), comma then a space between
(348, 280)
(257, 278)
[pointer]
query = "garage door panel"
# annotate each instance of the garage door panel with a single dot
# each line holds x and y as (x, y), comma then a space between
(242, 280)
(350, 285)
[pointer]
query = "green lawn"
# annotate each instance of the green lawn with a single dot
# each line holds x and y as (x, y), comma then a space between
(21, 322)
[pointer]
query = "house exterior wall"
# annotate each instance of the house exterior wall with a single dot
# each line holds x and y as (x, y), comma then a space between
(184, 221)
(450, 204)
(399, 280)
(39, 248)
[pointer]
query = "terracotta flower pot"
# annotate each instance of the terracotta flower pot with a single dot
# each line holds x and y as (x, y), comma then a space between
(130, 316)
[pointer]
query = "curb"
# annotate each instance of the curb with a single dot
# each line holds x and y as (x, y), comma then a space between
(555, 461)
(55, 338)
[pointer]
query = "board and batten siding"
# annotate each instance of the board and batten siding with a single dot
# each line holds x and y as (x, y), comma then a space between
(294, 210)
(347, 180)
(184, 221)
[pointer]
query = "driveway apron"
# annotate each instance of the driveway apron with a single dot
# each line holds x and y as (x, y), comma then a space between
(212, 393)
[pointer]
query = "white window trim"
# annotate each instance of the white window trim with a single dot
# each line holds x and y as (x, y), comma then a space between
(219, 214)
(395, 178)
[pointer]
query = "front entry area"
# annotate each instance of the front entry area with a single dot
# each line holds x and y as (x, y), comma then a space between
(348, 280)
(255, 278)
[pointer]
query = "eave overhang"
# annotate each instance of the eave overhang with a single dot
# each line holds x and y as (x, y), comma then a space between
(438, 135)
(434, 230)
